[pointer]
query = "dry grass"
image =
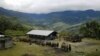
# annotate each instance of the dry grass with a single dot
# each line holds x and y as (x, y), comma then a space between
(86, 48)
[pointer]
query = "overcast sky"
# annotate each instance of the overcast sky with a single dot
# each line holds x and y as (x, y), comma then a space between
(47, 6)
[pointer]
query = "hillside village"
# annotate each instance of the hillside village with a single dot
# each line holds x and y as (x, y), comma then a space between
(49, 27)
(18, 39)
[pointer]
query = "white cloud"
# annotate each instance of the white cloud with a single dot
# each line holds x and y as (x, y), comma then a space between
(46, 6)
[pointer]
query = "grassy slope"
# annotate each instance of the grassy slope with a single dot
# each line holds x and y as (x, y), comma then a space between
(78, 49)
(86, 48)
(22, 48)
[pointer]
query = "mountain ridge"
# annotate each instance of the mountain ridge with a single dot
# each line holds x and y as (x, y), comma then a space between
(68, 17)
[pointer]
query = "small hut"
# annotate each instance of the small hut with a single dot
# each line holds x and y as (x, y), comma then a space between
(5, 42)
(42, 34)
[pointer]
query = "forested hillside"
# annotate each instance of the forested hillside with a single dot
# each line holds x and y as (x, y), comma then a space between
(11, 25)
(59, 21)
(69, 17)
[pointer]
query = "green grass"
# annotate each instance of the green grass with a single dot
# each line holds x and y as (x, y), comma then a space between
(15, 32)
(78, 49)
(21, 48)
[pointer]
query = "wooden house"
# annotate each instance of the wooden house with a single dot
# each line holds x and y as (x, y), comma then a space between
(5, 42)
(42, 34)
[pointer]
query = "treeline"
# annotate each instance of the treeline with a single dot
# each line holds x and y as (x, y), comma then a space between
(91, 29)
(11, 25)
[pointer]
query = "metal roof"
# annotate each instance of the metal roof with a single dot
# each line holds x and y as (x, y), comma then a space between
(40, 32)
(1, 35)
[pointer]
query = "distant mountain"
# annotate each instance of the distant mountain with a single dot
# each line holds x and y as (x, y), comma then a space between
(68, 17)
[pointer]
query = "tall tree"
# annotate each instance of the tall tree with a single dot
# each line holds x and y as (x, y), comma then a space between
(91, 29)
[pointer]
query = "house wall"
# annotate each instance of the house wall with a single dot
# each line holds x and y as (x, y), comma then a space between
(0, 45)
(8, 44)
(52, 36)
(37, 37)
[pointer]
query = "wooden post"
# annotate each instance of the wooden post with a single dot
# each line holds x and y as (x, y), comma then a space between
(30, 40)
(69, 47)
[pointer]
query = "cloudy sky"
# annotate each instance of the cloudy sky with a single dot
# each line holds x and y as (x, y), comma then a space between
(47, 6)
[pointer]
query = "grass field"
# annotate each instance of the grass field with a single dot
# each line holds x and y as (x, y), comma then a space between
(88, 47)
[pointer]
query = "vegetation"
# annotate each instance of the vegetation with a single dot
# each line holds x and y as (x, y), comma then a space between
(91, 29)
(11, 26)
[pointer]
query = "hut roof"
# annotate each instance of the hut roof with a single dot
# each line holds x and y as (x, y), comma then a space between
(40, 32)
(1, 35)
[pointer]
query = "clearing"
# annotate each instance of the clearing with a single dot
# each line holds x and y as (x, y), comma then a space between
(88, 47)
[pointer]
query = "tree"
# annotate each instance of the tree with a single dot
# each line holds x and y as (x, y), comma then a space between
(4, 23)
(11, 24)
(91, 29)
